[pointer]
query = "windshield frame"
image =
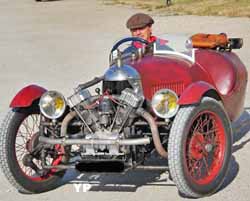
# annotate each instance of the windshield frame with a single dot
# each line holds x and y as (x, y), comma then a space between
(175, 44)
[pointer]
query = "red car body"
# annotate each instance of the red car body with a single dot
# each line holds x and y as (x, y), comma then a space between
(222, 74)
(197, 98)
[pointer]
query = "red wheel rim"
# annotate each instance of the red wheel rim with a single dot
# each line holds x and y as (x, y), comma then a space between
(205, 147)
(26, 131)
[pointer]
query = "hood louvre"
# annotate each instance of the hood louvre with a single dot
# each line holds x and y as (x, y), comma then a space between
(177, 87)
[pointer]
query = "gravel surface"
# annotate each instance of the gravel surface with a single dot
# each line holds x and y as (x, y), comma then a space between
(60, 44)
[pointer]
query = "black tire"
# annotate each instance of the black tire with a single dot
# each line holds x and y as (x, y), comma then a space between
(200, 146)
(9, 158)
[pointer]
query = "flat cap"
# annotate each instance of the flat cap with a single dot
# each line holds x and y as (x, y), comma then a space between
(139, 20)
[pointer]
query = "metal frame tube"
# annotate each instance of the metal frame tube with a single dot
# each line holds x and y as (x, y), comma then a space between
(122, 142)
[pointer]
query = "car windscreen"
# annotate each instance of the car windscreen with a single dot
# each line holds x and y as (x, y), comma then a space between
(179, 45)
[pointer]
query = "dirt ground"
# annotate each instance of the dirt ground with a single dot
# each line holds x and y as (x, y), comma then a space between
(59, 44)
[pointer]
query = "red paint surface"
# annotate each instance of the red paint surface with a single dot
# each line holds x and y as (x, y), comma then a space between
(196, 143)
(221, 71)
(26, 96)
(194, 93)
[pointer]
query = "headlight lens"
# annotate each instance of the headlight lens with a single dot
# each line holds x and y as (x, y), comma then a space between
(52, 104)
(164, 103)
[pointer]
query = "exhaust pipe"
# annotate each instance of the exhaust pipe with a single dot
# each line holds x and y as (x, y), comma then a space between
(141, 141)
(155, 133)
(64, 141)
(66, 121)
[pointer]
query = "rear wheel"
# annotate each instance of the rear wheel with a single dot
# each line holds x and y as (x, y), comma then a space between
(18, 137)
(200, 148)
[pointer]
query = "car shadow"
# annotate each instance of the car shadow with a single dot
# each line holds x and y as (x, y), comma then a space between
(46, 1)
(128, 181)
(240, 129)
(133, 179)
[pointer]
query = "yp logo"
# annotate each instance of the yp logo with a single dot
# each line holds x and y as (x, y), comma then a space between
(82, 187)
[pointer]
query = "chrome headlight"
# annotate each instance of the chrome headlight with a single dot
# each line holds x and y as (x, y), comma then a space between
(165, 103)
(52, 104)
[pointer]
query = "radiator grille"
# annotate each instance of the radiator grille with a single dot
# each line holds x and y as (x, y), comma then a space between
(178, 87)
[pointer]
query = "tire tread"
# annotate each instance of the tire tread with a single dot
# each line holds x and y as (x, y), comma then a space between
(174, 147)
(3, 152)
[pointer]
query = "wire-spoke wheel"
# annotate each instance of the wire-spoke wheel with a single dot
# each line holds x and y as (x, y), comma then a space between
(200, 148)
(18, 138)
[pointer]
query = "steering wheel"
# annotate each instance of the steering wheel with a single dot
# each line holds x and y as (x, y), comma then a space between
(128, 39)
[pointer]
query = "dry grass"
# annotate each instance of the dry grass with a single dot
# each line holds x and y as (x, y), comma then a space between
(232, 8)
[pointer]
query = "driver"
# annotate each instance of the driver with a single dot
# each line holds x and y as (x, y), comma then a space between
(140, 25)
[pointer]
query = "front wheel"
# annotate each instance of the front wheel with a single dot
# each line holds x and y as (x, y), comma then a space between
(199, 148)
(18, 137)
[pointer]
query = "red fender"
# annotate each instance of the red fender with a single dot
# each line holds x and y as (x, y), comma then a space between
(26, 96)
(194, 92)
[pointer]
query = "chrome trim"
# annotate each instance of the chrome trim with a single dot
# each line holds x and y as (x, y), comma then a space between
(48, 93)
(125, 72)
(64, 141)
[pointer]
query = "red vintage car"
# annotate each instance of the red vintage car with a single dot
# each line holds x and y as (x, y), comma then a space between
(177, 96)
